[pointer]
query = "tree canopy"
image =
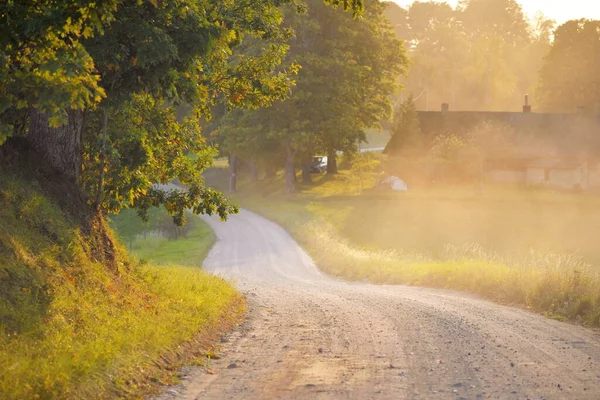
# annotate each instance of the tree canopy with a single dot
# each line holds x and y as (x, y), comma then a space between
(116, 74)
(481, 55)
(569, 77)
(349, 69)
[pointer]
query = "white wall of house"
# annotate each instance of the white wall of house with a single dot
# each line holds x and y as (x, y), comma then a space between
(507, 176)
(558, 178)
(536, 176)
(565, 178)
(594, 171)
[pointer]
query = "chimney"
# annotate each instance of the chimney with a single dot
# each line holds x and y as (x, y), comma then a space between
(526, 107)
(445, 108)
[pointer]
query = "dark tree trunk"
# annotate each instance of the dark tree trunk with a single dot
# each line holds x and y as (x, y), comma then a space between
(331, 162)
(232, 173)
(253, 171)
(306, 175)
(61, 147)
(102, 157)
(290, 171)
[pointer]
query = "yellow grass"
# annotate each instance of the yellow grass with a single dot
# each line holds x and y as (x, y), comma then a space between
(73, 328)
(531, 248)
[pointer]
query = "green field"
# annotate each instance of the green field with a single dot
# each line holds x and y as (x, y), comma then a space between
(160, 242)
(532, 248)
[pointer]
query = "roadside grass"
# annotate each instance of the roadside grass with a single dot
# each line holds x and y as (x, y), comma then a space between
(72, 328)
(160, 242)
(530, 248)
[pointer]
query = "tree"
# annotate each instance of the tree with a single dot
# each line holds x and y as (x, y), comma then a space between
(349, 69)
(398, 19)
(407, 138)
(348, 73)
(54, 62)
(147, 145)
(44, 66)
(482, 55)
(438, 49)
(495, 18)
(569, 77)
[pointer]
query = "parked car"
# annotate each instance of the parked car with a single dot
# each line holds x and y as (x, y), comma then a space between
(319, 164)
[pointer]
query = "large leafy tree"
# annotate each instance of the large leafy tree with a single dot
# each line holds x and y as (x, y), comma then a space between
(569, 77)
(407, 138)
(72, 62)
(43, 63)
(349, 69)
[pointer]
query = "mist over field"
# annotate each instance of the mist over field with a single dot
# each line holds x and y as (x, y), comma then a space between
(303, 199)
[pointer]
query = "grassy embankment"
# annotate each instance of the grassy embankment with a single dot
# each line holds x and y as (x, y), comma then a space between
(160, 242)
(74, 327)
(530, 248)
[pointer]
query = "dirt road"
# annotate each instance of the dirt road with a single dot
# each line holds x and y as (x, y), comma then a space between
(312, 337)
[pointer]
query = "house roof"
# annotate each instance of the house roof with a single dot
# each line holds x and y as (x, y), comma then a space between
(509, 163)
(569, 133)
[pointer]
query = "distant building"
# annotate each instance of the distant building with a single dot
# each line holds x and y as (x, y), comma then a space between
(553, 173)
(558, 151)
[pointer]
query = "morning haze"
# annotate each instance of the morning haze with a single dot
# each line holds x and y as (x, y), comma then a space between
(299, 199)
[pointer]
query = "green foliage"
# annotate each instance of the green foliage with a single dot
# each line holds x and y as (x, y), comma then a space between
(72, 328)
(450, 147)
(365, 166)
(5, 132)
(159, 241)
(43, 62)
(146, 146)
(407, 138)
(569, 75)
(133, 56)
(349, 69)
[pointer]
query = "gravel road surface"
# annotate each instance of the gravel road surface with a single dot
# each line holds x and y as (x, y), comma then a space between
(309, 336)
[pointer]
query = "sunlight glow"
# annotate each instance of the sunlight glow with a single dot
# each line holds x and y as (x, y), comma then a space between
(559, 10)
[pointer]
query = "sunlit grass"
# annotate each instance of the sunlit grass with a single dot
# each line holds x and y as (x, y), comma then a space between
(72, 328)
(531, 248)
(189, 249)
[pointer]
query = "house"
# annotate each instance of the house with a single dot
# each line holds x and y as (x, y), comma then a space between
(558, 173)
(507, 170)
(554, 150)
(554, 173)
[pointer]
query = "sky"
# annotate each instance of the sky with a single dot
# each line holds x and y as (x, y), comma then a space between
(559, 10)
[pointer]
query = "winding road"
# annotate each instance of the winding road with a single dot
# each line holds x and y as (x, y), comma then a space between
(309, 336)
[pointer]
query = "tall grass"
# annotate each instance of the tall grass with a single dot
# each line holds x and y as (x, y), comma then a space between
(561, 286)
(71, 327)
(534, 249)
(155, 241)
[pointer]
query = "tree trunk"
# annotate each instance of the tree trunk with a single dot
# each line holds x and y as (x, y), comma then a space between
(232, 173)
(102, 158)
(290, 171)
(253, 171)
(295, 175)
(332, 168)
(306, 175)
(61, 147)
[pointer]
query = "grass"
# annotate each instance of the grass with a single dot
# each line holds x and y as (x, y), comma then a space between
(530, 248)
(158, 241)
(71, 327)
